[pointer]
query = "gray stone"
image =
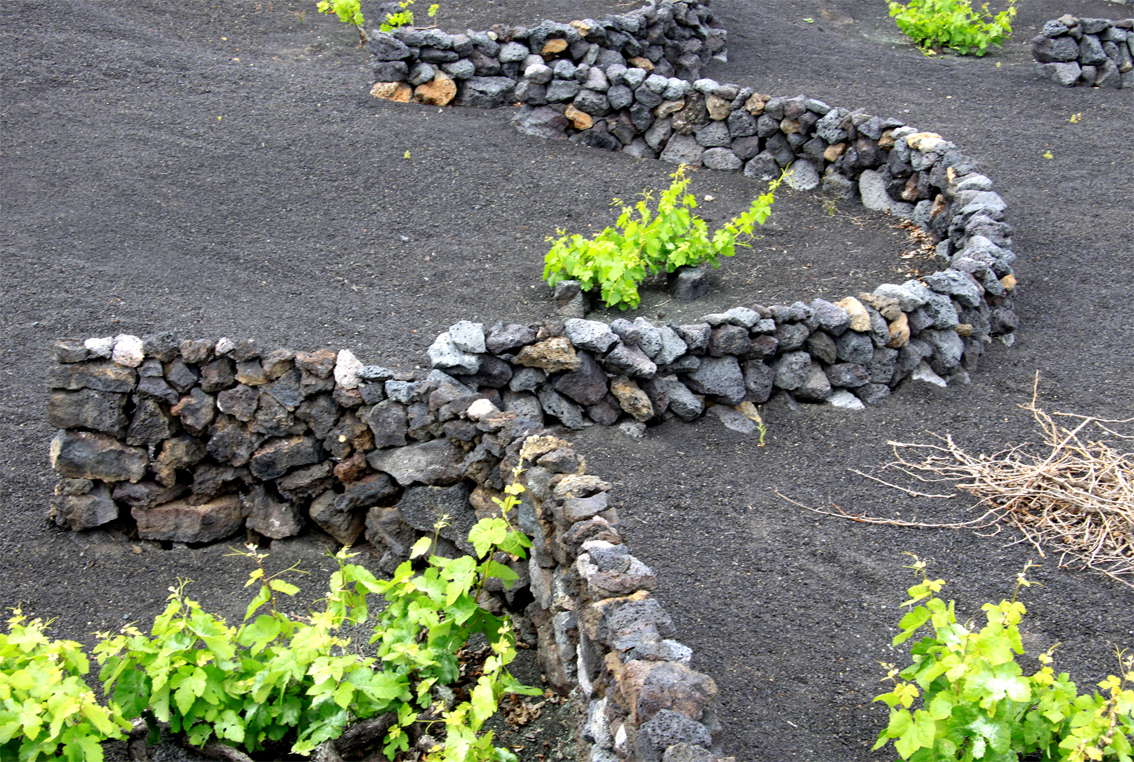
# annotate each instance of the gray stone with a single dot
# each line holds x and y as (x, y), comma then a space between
(99, 376)
(649, 339)
(841, 398)
(230, 442)
(683, 149)
(444, 353)
(719, 377)
(958, 285)
(729, 340)
(670, 348)
(658, 133)
(689, 283)
(99, 347)
(145, 494)
(286, 389)
(1054, 28)
(1091, 51)
(815, 387)
(872, 394)
(696, 336)
(1054, 50)
(803, 176)
(830, 317)
(88, 409)
(854, 347)
(684, 752)
(460, 70)
(713, 135)
(422, 508)
(908, 300)
(85, 510)
(559, 406)
(150, 425)
(88, 455)
(669, 728)
(592, 102)
(467, 336)
(791, 370)
(240, 402)
(791, 336)
(1066, 74)
(436, 462)
(278, 456)
(390, 71)
(527, 379)
(722, 159)
(68, 351)
(881, 366)
(561, 90)
(630, 361)
(830, 126)
(513, 52)
(388, 423)
(386, 47)
(503, 337)
(306, 482)
(822, 347)
(421, 73)
(587, 384)
(619, 96)
(271, 517)
(589, 334)
(848, 375)
(682, 401)
(345, 528)
(762, 167)
(211, 480)
(872, 188)
(925, 374)
(365, 493)
(487, 92)
(179, 376)
(947, 349)
(733, 419)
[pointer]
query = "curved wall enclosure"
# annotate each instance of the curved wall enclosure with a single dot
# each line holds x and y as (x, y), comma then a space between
(1088, 52)
(192, 441)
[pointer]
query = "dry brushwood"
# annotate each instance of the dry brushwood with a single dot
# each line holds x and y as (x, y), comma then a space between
(1072, 494)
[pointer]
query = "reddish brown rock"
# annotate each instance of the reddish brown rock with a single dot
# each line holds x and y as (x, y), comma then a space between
(552, 355)
(439, 91)
(399, 92)
(181, 521)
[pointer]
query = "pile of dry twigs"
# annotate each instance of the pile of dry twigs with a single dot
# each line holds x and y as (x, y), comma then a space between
(1072, 494)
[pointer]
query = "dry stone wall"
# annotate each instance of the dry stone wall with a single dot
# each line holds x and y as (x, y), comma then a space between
(193, 441)
(605, 90)
(197, 441)
(1083, 51)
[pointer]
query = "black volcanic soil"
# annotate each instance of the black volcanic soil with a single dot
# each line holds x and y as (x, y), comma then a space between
(220, 169)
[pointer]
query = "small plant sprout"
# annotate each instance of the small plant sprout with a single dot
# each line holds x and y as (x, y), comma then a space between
(349, 12)
(404, 17)
(977, 703)
(47, 711)
(645, 241)
(953, 24)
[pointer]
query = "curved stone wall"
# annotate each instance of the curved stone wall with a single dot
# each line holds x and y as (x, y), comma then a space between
(193, 441)
(196, 441)
(1089, 52)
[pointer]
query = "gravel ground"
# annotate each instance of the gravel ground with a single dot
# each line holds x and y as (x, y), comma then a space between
(221, 170)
